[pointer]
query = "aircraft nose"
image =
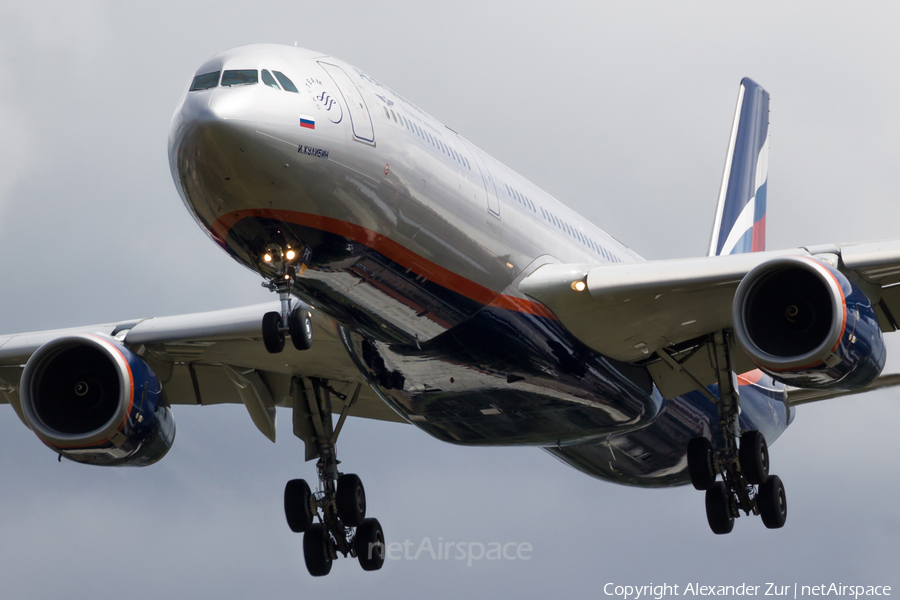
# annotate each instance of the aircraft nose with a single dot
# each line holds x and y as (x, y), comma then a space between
(209, 120)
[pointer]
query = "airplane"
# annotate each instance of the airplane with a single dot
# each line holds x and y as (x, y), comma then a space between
(421, 281)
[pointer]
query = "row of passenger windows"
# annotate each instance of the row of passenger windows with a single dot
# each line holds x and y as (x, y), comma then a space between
(560, 224)
(520, 198)
(566, 228)
(243, 77)
(425, 136)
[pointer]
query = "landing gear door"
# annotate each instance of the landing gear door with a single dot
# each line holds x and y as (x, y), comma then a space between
(360, 120)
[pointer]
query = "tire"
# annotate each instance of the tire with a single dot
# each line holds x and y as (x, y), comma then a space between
(315, 551)
(298, 505)
(718, 509)
(300, 325)
(273, 337)
(351, 500)
(772, 502)
(369, 545)
(700, 463)
(754, 457)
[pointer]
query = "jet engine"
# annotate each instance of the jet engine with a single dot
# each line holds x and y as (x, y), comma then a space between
(805, 324)
(94, 401)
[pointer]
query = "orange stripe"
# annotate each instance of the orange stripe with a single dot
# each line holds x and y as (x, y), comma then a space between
(130, 380)
(750, 377)
(522, 305)
(391, 250)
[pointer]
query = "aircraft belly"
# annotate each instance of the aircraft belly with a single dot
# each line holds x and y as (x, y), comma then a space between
(506, 378)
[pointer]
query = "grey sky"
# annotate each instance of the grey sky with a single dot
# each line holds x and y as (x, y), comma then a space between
(620, 110)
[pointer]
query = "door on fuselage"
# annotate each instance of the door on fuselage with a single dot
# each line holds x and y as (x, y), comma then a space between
(360, 120)
(490, 189)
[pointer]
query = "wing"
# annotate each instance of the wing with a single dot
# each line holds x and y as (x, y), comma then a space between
(217, 357)
(654, 312)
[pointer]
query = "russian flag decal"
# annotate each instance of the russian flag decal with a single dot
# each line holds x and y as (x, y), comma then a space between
(308, 122)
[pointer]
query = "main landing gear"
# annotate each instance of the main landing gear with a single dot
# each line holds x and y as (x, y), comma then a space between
(297, 322)
(746, 483)
(333, 519)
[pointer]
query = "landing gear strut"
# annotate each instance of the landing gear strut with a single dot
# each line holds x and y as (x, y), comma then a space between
(297, 323)
(746, 484)
(339, 504)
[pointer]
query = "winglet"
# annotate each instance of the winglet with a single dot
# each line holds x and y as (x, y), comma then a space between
(740, 224)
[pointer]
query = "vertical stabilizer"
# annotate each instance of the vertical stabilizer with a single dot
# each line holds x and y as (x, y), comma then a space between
(740, 224)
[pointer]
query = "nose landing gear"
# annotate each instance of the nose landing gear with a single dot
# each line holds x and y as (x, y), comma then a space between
(297, 323)
(746, 484)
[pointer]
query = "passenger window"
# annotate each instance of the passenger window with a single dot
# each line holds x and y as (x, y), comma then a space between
(205, 81)
(240, 77)
(286, 83)
(269, 80)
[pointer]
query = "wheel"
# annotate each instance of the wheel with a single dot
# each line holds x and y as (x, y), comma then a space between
(718, 508)
(351, 500)
(754, 457)
(273, 337)
(298, 505)
(700, 463)
(772, 502)
(369, 545)
(300, 325)
(315, 551)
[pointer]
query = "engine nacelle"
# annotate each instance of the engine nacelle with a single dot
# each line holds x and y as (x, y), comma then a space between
(94, 401)
(805, 324)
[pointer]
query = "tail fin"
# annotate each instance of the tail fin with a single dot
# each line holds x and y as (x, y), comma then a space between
(740, 224)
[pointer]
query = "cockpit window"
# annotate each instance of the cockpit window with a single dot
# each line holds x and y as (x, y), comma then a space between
(269, 80)
(286, 83)
(205, 81)
(240, 77)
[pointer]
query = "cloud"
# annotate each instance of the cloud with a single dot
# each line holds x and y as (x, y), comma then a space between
(620, 110)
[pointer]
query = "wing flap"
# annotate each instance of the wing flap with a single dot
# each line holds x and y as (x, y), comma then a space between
(877, 262)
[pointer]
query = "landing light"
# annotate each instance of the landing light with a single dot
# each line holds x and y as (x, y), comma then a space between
(578, 286)
(267, 257)
(290, 254)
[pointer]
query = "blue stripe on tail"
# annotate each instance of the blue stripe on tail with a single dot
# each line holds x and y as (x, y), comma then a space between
(740, 224)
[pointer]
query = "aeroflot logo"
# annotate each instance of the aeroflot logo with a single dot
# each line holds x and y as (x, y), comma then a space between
(325, 100)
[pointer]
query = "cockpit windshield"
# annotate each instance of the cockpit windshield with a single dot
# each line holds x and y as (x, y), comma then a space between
(286, 83)
(269, 80)
(240, 77)
(205, 81)
(235, 77)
